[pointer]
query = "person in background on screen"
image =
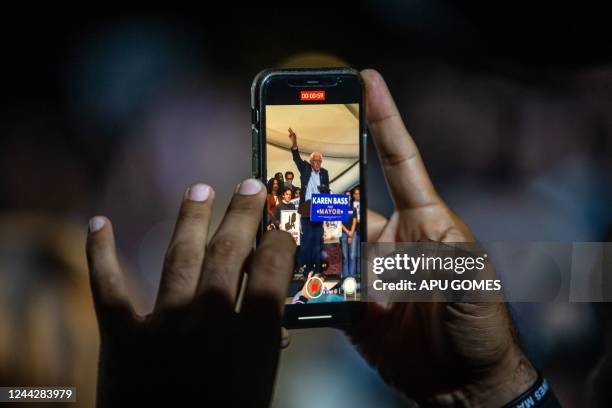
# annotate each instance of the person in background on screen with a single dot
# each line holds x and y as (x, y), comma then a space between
(289, 180)
(353, 239)
(348, 231)
(281, 180)
(272, 199)
(295, 196)
(285, 205)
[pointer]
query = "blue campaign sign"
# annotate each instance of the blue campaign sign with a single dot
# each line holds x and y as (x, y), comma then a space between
(329, 207)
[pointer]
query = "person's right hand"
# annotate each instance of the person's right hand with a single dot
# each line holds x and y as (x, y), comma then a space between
(446, 354)
(293, 138)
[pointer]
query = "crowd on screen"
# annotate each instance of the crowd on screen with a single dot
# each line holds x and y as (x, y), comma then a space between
(341, 237)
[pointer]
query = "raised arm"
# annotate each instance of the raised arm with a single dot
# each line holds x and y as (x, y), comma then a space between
(295, 152)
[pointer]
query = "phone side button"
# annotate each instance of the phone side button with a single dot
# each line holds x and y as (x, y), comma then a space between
(254, 138)
(364, 143)
(255, 170)
(254, 156)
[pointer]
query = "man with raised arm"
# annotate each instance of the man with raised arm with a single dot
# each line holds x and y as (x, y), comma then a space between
(313, 179)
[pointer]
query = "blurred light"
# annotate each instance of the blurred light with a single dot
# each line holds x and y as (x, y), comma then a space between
(349, 285)
(117, 70)
(313, 60)
(430, 17)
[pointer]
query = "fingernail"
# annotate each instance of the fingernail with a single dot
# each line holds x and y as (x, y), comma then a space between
(198, 192)
(249, 187)
(284, 343)
(96, 223)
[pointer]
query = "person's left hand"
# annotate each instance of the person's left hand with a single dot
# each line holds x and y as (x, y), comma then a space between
(198, 344)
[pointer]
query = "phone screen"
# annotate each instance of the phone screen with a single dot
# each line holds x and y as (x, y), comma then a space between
(313, 177)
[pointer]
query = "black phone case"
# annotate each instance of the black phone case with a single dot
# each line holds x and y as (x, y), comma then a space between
(343, 314)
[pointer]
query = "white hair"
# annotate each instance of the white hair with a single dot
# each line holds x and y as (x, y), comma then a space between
(313, 154)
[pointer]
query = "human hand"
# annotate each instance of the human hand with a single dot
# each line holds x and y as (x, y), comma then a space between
(293, 138)
(198, 344)
(438, 353)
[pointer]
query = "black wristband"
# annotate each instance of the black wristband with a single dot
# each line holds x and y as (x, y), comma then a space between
(538, 395)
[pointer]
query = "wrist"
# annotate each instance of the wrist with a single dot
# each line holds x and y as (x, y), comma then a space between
(495, 386)
(513, 376)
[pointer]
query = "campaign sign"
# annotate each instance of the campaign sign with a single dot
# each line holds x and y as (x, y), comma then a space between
(329, 207)
(290, 222)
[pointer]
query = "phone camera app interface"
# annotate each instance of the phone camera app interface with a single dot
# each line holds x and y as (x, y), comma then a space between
(312, 161)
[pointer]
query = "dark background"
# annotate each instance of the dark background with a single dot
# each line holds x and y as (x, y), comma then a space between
(117, 110)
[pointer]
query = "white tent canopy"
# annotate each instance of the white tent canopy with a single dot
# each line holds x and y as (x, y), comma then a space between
(332, 130)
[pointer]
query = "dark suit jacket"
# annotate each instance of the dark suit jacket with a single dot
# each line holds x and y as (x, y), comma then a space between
(305, 171)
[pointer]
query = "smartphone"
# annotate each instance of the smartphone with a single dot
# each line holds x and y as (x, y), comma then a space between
(309, 140)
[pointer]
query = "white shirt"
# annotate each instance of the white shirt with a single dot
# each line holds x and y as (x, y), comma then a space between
(357, 208)
(313, 184)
